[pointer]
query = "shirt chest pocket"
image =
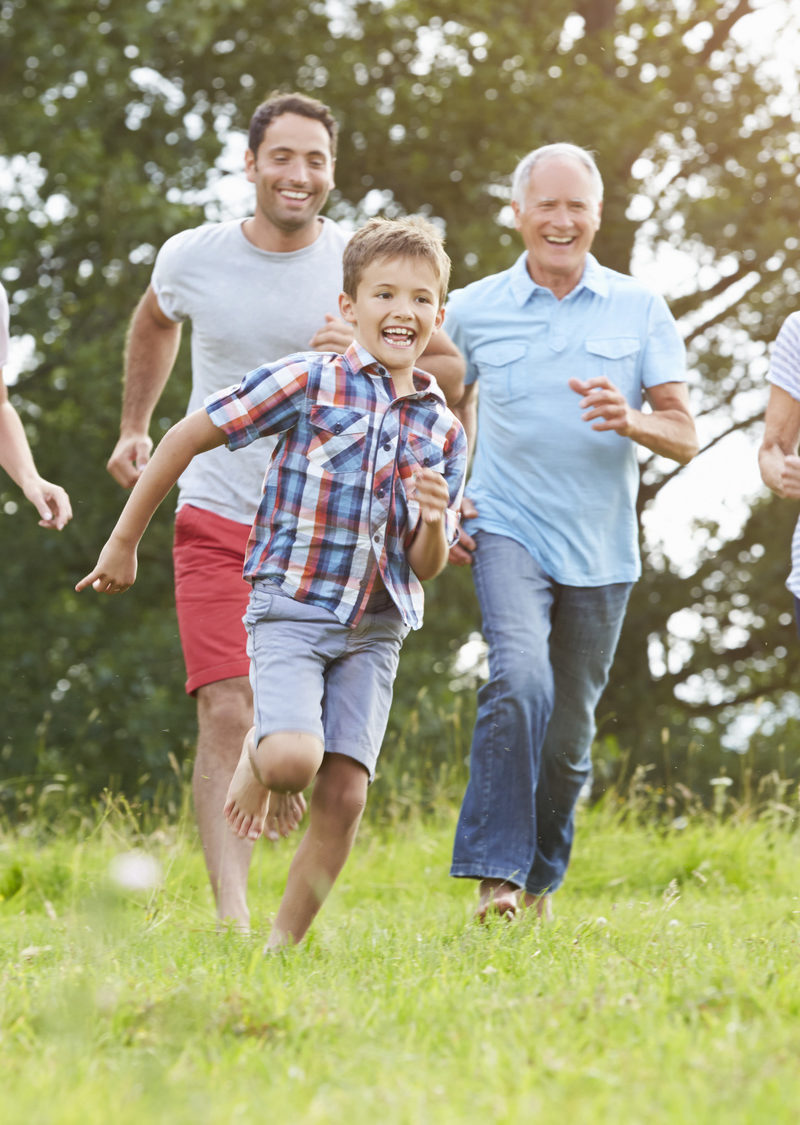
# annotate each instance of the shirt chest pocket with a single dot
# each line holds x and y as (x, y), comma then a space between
(338, 442)
(421, 451)
(616, 357)
(503, 371)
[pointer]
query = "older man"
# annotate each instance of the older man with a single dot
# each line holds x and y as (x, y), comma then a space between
(566, 353)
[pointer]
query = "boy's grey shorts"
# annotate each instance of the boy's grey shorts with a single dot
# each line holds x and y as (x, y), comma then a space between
(311, 673)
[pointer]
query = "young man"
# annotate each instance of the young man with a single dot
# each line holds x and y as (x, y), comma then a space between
(267, 286)
(49, 500)
(566, 353)
(359, 506)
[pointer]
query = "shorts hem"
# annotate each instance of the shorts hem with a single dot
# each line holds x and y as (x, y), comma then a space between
(365, 759)
(231, 671)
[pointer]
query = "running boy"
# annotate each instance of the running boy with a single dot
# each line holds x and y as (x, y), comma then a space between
(359, 507)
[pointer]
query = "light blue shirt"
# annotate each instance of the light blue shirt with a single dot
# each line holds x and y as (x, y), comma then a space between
(541, 475)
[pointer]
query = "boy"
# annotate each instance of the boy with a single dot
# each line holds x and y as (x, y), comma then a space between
(359, 506)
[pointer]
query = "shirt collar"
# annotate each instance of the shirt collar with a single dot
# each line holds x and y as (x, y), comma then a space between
(524, 287)
(359, 360)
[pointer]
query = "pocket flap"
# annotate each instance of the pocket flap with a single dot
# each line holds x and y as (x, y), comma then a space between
(613, 347)
(339, 420)
(500, 354)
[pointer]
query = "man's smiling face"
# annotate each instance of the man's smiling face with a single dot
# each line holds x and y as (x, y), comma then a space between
(292, 171)
(558, 222)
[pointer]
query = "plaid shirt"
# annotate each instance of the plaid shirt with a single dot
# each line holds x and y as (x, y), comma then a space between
(335, 511)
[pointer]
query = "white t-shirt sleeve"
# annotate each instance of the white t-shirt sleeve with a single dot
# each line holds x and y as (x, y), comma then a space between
(168, 273)
(784, 369)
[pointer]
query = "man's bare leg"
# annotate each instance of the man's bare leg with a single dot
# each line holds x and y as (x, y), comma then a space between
(224, 714)
(497, 897)
(337, 804)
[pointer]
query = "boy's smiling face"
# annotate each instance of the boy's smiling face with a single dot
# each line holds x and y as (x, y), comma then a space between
(394, 312)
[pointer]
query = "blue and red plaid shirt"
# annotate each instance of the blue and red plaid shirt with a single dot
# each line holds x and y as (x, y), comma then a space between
(335, 510)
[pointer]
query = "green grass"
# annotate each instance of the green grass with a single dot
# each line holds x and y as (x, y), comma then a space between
(666, 990)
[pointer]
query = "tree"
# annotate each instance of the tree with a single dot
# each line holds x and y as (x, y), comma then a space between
(114, 119)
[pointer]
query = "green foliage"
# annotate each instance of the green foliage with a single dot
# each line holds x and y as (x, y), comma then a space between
(114, 119)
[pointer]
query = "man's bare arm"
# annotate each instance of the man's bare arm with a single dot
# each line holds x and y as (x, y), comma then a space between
(777, 457)
(444, 361)
(150, 351)
(668, 430)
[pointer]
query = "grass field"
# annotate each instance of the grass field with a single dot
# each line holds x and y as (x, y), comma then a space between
(667, 989)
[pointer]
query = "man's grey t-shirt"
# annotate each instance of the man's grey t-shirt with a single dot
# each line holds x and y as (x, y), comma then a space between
(247, 307)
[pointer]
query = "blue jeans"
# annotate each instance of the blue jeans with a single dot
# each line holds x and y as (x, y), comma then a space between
(550, 652)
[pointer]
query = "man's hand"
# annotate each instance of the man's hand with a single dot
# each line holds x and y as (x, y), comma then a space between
(461, 551)
(115, 571)
(335, 336)
(602, 400)
(131, 454)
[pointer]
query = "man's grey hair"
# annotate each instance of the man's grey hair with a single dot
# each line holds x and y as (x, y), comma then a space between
(522, 172)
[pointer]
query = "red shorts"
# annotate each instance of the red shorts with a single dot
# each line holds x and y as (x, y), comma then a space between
(210, 595)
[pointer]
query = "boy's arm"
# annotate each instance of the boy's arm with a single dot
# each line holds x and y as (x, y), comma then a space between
(116, 567)
(428, 551)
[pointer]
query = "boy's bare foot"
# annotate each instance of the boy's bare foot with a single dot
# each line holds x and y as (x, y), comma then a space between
(247, 800)
(497, 897)
(543, 904)
(285, 812)
(250, 809)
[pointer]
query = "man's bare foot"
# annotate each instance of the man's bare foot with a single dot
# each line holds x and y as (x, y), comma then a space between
(543, 904)
(497, 897)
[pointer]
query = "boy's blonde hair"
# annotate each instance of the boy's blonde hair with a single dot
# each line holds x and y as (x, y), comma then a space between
(408, 237)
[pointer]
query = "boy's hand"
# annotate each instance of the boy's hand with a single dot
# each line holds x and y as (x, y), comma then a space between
(115, 571)
(431, 493)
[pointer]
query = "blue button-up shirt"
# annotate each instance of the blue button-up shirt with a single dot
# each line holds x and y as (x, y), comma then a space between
(541, 475)
(335, 510)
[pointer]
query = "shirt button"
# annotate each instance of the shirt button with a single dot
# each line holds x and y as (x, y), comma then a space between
(387, 445)
(377, 537)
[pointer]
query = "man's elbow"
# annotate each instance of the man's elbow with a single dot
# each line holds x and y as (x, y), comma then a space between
(690, 449)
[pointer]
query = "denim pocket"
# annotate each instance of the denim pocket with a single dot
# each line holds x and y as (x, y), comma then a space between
(258, 607)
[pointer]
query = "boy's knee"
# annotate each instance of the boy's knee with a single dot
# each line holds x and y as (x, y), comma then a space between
(288, 761)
